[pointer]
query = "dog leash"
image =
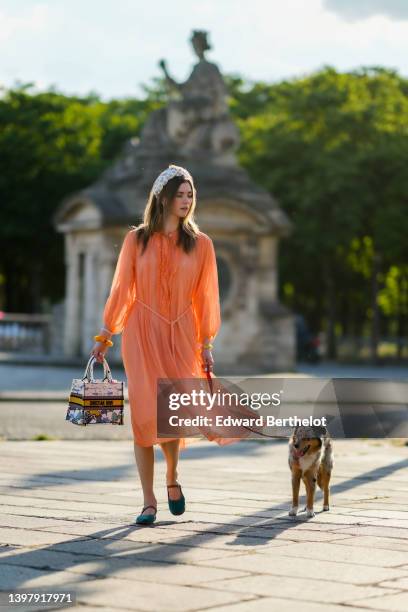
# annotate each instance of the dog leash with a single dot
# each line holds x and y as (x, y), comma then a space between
(210, 384)
(209, 379)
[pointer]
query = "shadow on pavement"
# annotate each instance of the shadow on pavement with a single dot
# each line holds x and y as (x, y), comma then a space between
(112, 552)
(118, 472)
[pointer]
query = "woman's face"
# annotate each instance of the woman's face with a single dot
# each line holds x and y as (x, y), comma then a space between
(182, 200)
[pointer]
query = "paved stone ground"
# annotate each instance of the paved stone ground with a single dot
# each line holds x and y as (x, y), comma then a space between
(67, 511)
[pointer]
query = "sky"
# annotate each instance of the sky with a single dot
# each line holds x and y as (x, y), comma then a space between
(112, 47)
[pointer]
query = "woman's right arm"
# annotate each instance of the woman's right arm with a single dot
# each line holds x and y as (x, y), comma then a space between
(122, 295)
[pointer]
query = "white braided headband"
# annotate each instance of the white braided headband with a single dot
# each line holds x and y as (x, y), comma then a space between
(168, 174)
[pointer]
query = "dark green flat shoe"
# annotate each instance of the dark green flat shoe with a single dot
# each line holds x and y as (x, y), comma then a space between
(176, 506)
(146, 519)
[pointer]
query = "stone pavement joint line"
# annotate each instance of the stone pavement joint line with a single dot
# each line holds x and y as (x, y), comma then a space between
(67, 522)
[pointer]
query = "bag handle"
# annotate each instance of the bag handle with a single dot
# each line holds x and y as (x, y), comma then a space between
(89, 370)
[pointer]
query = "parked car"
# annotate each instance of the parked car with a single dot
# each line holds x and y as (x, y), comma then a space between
(307, 343)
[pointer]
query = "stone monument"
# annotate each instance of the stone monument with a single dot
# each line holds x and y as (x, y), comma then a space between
(194, 130)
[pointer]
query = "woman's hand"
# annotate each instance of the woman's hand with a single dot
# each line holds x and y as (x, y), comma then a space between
(208, 361)
(99, 351)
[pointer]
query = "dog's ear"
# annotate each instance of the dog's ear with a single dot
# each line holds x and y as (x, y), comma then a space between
(320, 431)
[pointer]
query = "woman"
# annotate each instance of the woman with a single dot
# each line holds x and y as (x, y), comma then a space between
(164, 298)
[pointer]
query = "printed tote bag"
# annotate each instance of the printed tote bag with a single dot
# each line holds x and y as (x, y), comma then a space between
(96, 401)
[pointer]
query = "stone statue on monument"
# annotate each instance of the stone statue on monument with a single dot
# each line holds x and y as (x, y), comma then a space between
(197, 118)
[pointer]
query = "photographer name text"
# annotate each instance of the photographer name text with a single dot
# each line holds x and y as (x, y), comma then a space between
(259, 421)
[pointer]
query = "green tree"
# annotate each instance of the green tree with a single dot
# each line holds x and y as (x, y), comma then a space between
(332, 147)
(51, 145)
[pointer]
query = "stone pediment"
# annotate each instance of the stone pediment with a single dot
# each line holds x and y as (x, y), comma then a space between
(91, 208)
(226, 214)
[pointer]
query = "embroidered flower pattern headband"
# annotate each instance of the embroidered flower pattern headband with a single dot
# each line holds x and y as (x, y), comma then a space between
(168, 174)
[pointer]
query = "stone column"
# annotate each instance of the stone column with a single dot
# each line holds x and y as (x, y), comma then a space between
(276, 332)
(106, 269)
(89, 324)
(71, 324)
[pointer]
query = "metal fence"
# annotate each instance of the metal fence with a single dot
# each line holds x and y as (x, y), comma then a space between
(25, 333)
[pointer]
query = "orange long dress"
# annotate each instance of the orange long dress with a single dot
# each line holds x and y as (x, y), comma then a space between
(165, 303)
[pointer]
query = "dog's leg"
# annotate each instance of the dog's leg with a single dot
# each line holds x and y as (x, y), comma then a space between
(326, 490)
(296, 475)
(319, 477)
(310, 484)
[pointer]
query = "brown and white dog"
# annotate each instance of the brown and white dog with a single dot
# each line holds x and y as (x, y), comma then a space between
(310, 460)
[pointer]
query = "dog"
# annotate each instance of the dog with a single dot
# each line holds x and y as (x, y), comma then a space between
(311, 460)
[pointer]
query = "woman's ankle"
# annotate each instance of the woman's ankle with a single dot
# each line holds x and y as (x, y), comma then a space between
(172, 478)
(149, 499)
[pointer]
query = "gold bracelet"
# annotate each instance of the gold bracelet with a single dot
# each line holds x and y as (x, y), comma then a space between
(207, 346)
(104, 340)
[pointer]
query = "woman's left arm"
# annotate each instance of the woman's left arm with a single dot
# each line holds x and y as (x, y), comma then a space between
(206, 301)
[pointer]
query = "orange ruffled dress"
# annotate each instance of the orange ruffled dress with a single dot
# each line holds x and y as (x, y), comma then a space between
(165, 303)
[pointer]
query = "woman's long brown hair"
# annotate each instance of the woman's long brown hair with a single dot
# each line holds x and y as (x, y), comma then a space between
(154, 215)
